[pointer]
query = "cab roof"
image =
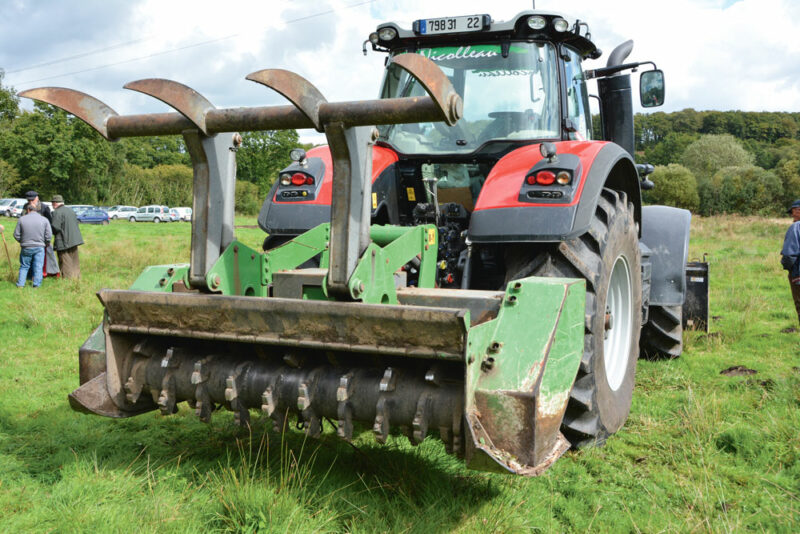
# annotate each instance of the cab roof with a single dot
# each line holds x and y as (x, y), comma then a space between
(576, 35)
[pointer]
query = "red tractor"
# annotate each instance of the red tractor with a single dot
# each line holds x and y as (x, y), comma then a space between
(478, 267)
(520, 186)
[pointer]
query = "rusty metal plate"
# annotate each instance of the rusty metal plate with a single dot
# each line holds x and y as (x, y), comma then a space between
(412, 331)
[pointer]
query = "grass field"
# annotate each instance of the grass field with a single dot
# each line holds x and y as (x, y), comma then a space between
(701, 451)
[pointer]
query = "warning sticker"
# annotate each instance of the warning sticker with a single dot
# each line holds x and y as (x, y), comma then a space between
(374, 201)
(431, 236)
(411, 195)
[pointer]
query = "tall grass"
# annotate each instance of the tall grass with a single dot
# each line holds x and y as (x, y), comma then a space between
(701, 451)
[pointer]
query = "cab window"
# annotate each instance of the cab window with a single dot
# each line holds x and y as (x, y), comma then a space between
(577, 96)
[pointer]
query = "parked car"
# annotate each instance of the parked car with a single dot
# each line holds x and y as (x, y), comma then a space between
(14, 208)
(93, 216)
(185, 213)
(174, 216)
(121, 212)
(152, 213)
(4, 202)
(78, 208)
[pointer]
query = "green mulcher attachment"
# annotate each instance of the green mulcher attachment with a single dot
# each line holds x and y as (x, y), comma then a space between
(489, 372)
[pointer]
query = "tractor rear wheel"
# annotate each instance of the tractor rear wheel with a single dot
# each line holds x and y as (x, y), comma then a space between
(607, 257)
(662, 336)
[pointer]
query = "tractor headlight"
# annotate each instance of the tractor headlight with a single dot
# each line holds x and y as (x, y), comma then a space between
(387, 34)
(560, 25)
(286, 179)
(373, 38)
(536, 22)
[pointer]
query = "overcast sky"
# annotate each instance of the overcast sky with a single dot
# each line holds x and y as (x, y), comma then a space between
(716, 54)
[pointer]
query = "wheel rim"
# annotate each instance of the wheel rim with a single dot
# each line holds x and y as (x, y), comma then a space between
(618, 323)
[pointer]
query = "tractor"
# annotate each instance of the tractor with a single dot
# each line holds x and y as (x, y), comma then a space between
(463, 259)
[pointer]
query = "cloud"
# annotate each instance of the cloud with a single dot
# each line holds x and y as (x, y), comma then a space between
(716, 54)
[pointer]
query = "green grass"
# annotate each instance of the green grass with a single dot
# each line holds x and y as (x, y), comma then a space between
(700, 452)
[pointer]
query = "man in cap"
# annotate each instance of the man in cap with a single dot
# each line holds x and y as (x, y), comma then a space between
(33, 198)
(50, 262)
(67, 238)
(790, 254)
(33, 232)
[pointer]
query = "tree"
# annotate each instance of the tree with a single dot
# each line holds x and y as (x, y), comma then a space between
(57, 153)
(9, 179)
(711, 153)
(745, 189)
(9, 102)
(262, 155)
(670, 149)
(675, 186)
(149, 152)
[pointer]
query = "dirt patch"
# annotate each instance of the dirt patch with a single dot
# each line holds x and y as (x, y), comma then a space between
(738, 370)
(790, 330)
(252, 226)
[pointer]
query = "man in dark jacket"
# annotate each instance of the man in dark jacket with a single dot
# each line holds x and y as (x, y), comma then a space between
(68, 238)
(790, 254)
(32, 232)
(50, 262)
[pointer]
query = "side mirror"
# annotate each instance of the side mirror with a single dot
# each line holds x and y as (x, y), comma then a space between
(651, 88)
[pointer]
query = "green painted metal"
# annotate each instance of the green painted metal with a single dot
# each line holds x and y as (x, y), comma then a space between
(296, 252)
(391, 248)
(238, 271)
(162, 277)
(520, 369)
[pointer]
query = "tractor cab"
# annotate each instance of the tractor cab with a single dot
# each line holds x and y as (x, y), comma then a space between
(521, 82)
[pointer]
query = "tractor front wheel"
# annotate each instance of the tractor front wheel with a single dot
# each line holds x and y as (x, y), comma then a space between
(607, 257)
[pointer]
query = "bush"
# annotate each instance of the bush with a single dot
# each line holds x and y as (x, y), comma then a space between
(248, 198)
(746, 190)
(711, 153)
(163, 184)
(675, 186)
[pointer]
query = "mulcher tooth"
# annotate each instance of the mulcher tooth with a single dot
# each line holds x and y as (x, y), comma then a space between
(202, 405)
(310, 419)
(381, 425)
(241, 414)
(344, 410)
(422, 418)
(167, 401)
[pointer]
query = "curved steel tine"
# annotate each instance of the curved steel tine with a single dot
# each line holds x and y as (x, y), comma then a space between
(435, 83)
(87, 108)
(186, 100)
(295, 88)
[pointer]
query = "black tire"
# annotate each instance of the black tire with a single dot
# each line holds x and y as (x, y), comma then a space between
(104, 222)
(662, 335)
(156, 220)
(113, 217)
(596, 408)
(132, 219)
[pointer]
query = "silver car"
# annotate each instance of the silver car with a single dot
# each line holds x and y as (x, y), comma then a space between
(152, 213)
(121, 212)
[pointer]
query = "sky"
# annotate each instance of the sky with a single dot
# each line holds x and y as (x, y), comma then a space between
(716, 54)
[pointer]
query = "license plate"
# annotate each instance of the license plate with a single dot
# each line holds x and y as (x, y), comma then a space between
(470, 23)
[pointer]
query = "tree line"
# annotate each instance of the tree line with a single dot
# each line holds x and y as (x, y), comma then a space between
(715, 162)
(709, 162)
(52, 152)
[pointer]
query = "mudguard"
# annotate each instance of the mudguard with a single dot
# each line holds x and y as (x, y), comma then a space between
(503, 214)
(283, 215)
(665, 231)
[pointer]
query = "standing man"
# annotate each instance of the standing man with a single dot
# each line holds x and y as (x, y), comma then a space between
(68, 238)
(33, 232)
(790, 258)
(33, 198)
(50, 263)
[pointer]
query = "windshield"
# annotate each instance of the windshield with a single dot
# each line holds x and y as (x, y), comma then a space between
(505, 98)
